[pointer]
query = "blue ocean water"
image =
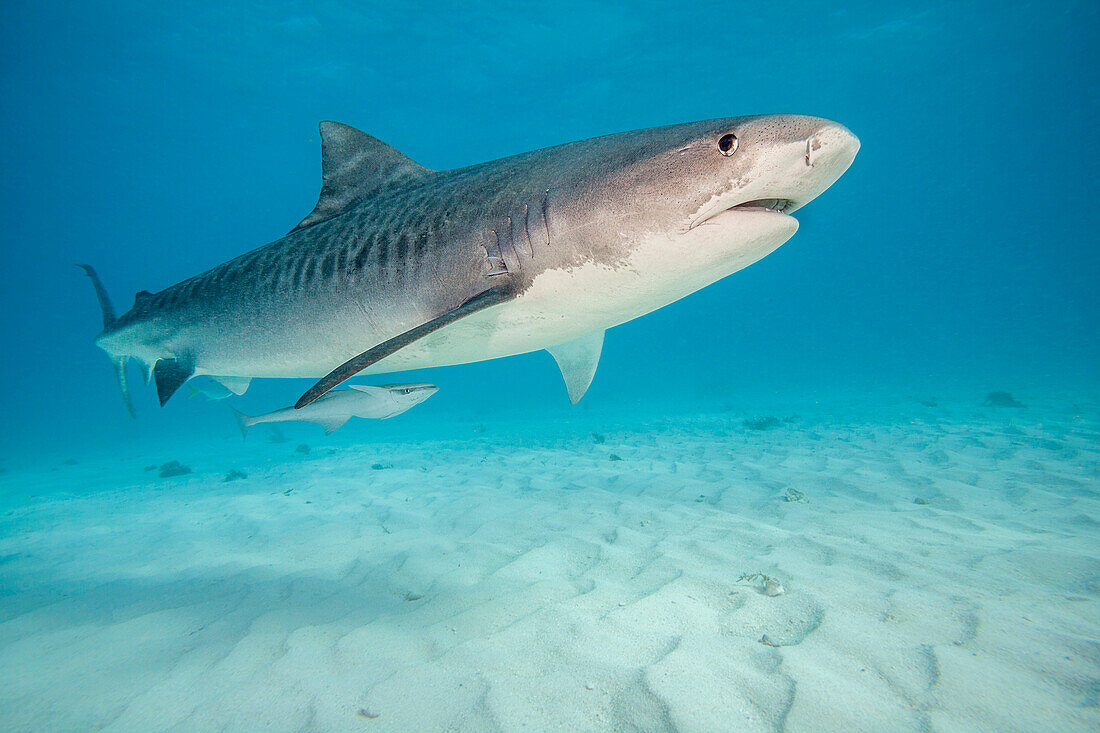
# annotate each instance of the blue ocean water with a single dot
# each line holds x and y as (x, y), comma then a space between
(154, 141)
(955, 258)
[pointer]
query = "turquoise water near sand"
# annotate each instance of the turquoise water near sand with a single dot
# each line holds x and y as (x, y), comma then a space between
(495, 558)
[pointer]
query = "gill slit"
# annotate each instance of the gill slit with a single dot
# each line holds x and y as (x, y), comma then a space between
(546, 215)
(527, 230)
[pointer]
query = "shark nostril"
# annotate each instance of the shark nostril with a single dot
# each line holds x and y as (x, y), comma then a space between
(830, 143)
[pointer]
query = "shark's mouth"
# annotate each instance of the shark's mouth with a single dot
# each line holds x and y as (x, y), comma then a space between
(768, 206)
(777, 206)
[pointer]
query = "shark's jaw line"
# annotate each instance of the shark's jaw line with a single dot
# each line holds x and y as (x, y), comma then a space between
(766, 205)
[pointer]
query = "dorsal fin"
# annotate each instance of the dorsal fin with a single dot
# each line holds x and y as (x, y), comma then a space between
(353, 166)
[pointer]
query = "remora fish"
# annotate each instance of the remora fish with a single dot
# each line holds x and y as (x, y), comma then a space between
(335, 408)
(401, 267)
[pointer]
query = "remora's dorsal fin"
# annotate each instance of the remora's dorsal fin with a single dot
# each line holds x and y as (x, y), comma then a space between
(353, 166)
(169, 374)
(142, 297)
(578, 360)
(370, 389)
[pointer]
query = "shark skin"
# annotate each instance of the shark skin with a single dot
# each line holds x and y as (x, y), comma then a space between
(400, 267)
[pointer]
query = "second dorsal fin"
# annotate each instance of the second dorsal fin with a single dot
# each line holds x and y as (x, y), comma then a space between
(355, 165)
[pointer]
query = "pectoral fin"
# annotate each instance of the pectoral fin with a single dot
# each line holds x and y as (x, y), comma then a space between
(578, 360)
(484, 299)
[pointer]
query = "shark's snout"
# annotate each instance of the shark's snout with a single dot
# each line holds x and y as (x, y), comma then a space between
(790, 161)
(828, 152)
(834, 144)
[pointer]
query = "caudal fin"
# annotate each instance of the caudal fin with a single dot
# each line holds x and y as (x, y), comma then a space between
(244, 422)
(109, 321)
(101, 294)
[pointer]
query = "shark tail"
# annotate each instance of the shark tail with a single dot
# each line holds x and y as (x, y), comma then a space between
(109, 320)
(244, 422)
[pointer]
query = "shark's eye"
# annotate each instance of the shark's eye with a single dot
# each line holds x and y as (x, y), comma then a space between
(727, 144)
(406, 391)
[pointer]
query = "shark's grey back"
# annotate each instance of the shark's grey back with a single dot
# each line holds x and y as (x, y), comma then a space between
(389, 244)
(369, 262)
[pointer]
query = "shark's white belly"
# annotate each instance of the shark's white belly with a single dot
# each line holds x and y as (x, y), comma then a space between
(562, 305)
(559, 306)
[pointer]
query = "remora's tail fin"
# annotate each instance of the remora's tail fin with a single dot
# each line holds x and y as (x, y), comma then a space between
(108, 321)
(244, 422)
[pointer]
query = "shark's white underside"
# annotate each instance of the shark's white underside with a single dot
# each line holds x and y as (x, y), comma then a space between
(563, 305)
(560, 305)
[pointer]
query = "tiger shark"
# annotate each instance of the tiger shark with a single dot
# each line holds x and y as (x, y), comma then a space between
(400, 267)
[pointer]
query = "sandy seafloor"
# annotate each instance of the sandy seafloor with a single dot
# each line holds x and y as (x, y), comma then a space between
(577, 574)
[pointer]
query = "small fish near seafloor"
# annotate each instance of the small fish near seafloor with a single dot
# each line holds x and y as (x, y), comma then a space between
(400, 267)
(335, 408)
